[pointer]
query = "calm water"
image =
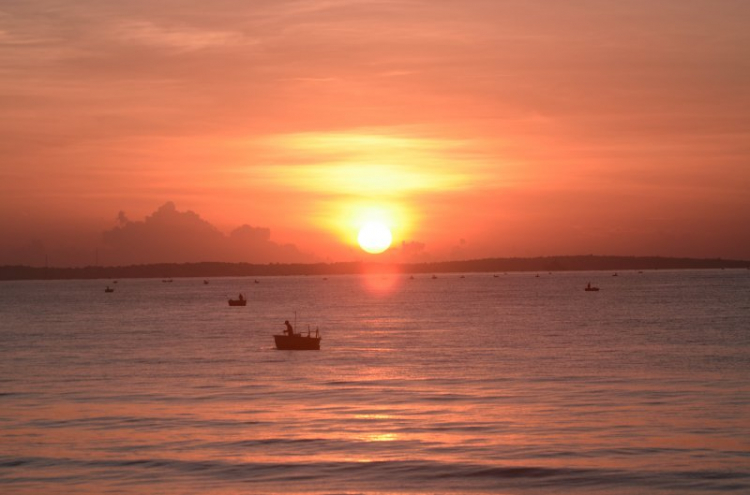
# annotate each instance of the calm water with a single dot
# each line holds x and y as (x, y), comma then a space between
(510, 384)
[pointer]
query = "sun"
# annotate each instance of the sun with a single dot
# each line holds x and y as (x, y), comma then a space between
(374, 237)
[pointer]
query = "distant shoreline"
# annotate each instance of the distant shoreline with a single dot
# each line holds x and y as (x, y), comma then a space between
(488, 265)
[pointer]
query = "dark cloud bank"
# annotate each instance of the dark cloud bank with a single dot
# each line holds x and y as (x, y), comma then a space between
(171, 236)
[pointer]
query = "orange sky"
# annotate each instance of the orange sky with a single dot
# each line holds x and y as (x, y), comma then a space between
(478, 128)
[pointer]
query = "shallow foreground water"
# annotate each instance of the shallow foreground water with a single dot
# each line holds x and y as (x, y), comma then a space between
(506, 383)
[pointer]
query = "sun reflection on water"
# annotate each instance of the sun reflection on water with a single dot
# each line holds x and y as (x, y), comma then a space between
(378, 283)
(379, 437)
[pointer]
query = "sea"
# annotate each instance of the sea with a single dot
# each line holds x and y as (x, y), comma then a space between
(477, 383)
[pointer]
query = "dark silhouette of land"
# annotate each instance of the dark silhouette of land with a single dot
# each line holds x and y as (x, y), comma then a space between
(215, 269)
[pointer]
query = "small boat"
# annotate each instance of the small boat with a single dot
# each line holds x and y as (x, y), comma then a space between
(434, 277)
(240, 301)
(589, 288)
(109, 289)
(298, 342)
(205, 282)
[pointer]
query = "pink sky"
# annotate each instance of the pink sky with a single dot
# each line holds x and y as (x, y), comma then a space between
(479, 128)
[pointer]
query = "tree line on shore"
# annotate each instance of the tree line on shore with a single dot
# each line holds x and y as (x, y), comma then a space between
(217, 269)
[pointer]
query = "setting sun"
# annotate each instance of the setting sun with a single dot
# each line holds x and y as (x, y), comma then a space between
(374, 237)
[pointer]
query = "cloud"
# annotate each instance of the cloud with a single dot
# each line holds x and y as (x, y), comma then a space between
(368, 163)
(172, 236)
(410, 252)
(181, 38)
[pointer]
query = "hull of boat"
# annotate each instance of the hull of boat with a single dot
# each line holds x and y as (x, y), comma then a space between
(297, 343)
(233, 302)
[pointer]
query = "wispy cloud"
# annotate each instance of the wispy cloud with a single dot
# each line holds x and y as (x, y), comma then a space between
(366, 163)
(176, 37)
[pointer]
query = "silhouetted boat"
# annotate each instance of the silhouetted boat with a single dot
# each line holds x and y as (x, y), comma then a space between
(205, 282)
(109, 289)
(240, 301)
(589, 288)
(298, 342)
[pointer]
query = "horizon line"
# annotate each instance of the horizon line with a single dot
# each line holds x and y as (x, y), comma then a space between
(588, 262)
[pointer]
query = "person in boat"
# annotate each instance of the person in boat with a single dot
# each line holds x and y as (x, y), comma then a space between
(289, 330)
(240, 297)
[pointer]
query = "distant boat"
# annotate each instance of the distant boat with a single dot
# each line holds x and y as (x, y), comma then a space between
(240, 301)
(205, 282)
(298, 342)
(589, 288)
(614, 274)
(109, 289)
(494, 276)
(434, 277)
(256, 281)
(412, 277)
